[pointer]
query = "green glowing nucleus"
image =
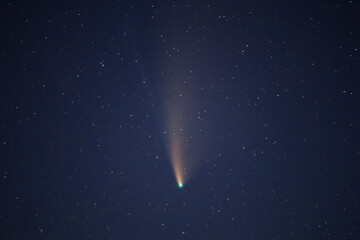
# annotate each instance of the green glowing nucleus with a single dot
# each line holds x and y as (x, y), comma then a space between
(180, 185)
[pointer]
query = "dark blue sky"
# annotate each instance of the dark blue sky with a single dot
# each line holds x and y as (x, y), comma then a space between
(270, 103)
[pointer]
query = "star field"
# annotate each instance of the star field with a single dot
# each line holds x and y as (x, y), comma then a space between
(262, 98)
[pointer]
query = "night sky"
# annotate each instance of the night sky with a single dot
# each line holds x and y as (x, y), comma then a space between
(180, 120)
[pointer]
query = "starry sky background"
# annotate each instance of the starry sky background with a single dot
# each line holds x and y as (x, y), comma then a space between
(271, 109)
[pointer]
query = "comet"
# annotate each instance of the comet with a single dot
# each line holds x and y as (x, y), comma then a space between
(179, 123)
(177, 160)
